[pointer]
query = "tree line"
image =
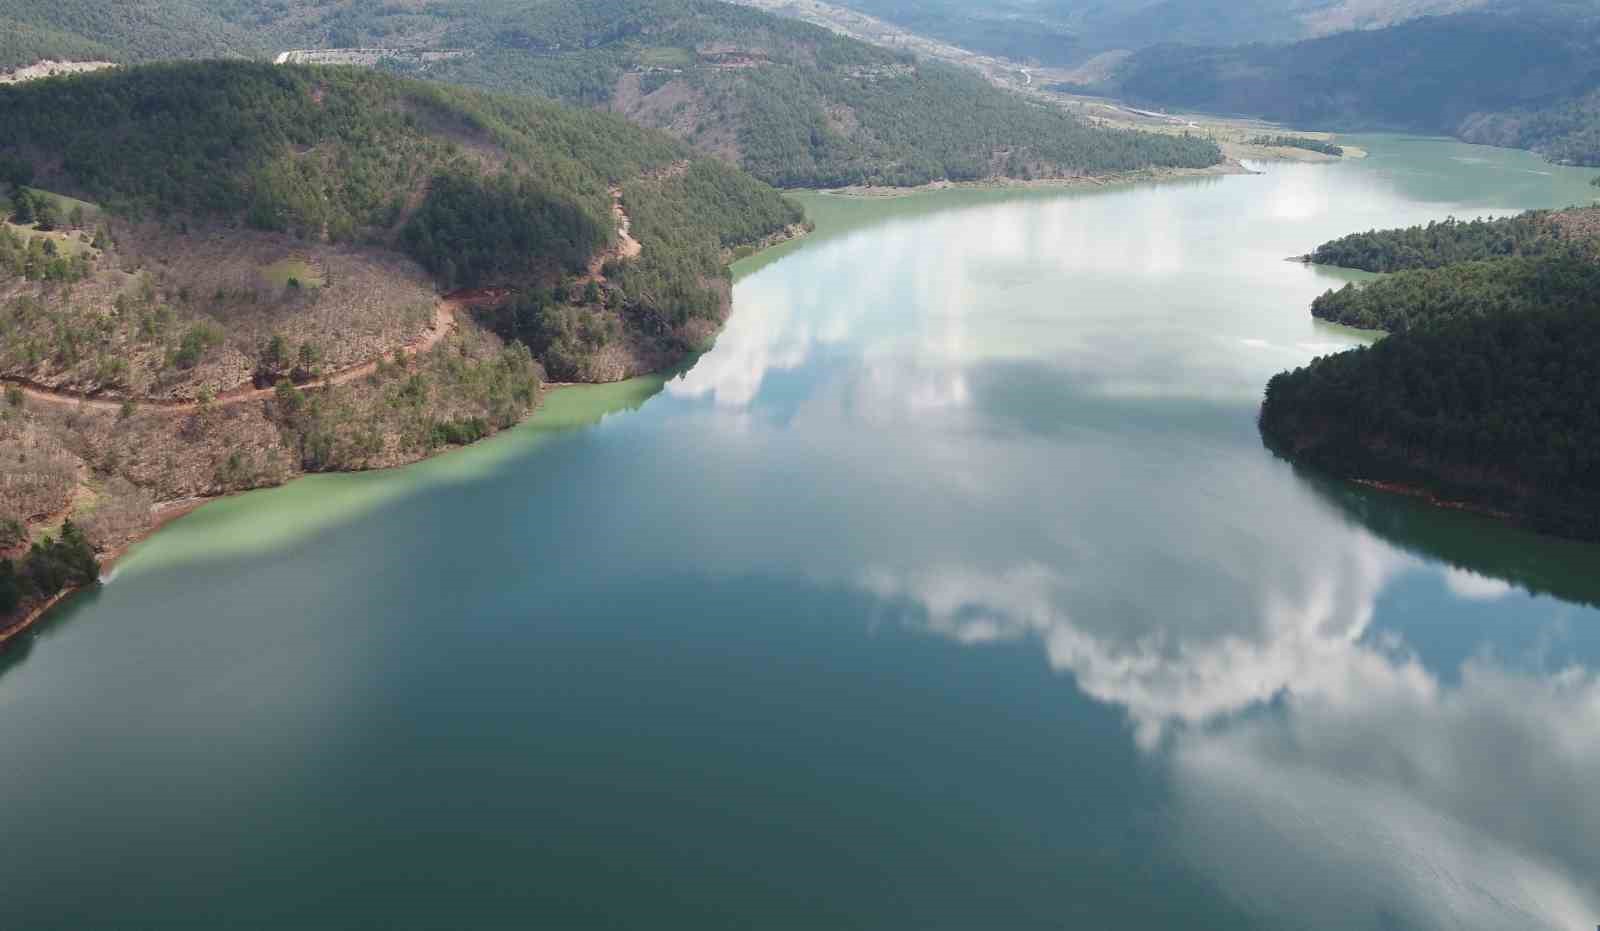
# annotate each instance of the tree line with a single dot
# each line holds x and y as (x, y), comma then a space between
(1423, 297)
(1444, 242)
(1300, 142)
(49, 566)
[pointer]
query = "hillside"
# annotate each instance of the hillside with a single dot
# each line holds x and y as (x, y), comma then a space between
(1521, 75)
(1496, 413)
(219, 275)
(793, 104)
(137, 31)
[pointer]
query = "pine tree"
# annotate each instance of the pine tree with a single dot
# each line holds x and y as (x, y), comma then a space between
(21, 206)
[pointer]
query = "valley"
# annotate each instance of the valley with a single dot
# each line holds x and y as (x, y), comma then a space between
(799, 463)
(962, 539)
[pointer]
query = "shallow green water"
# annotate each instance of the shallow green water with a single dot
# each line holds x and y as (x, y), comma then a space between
(952, 589)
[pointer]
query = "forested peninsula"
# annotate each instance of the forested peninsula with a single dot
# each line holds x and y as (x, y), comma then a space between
(1541, 259)
(1486, 393)
(216, 276)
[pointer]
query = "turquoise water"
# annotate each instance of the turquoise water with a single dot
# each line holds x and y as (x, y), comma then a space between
(952, 589)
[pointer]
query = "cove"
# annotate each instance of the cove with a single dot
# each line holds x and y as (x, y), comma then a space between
(952, 589)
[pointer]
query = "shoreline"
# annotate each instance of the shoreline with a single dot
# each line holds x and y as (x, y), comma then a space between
(1428, 497)
(32, 618)
(165, 512)
(1226, 167)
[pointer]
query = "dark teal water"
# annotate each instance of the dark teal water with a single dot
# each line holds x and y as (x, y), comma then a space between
(952, 589)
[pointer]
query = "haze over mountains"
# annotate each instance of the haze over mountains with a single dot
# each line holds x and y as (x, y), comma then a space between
(1065, 32)
(1520, 75)
(1516, 73)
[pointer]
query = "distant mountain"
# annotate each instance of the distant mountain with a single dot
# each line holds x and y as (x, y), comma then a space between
(1066, 32)
(794, 104)
(1523, 76)
(130, 31)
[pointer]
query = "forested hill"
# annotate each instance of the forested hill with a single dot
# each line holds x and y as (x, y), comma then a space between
(480, 189)
(1522, 74)
(800, 106)
(794, 104)
(131, 31)
(1537, 232)
(1498, 412)
(1540, 260)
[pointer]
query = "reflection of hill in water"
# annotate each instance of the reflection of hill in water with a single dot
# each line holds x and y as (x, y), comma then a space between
(1542, 565)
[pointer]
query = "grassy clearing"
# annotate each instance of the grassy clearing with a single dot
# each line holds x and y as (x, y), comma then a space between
(66, 237)
(68, 242)
(666, 57)
(65, 205)
(281, 272)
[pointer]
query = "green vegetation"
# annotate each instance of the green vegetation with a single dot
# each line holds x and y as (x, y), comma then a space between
(49, 566)
(1419, 298)
(1449, 269)
(301, 273)
(1520, 75)
(1300, 142)
(794, 104)
(672, 220)
(331, 431)
(665, 57)
(1445, 242)
(802, 106)
(475, 228)
(84, 30)
(1498, 411)
(1485, 391)
(510, 189)
(38, 258)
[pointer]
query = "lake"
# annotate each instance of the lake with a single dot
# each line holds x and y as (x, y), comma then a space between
(952, 589)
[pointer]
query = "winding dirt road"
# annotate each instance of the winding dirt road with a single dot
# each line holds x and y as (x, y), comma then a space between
(444, 320)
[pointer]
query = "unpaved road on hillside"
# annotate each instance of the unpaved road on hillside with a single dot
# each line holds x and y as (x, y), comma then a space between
(444, 320)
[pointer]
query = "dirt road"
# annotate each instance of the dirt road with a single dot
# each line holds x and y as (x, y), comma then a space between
(444, 320)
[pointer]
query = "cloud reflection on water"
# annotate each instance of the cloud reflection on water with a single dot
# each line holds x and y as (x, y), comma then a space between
(1319, 765)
